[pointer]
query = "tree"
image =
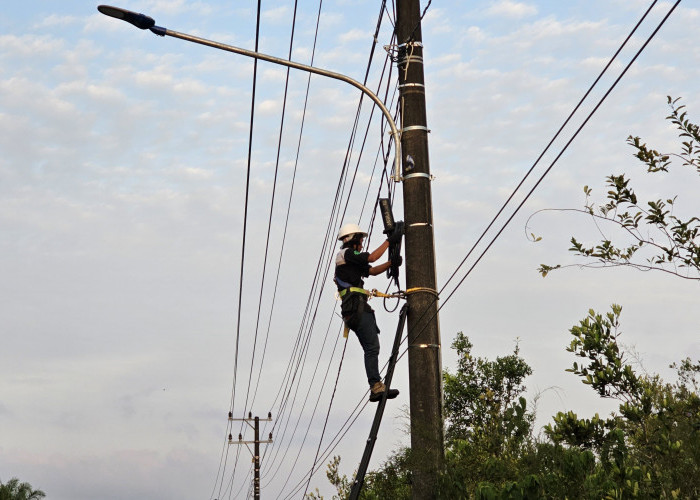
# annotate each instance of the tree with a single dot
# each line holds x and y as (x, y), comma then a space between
(656, 238)
(14, 490)
(649, 449)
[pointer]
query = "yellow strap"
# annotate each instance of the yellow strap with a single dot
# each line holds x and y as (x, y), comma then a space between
(422, 289)
(401, 295)
(353, 289)
(377, 293)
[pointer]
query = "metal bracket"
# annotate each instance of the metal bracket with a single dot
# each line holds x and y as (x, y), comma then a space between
(418, 174)
(415, 127)
(425, 346)
(403, 85)
(410, 59)
(417, 44)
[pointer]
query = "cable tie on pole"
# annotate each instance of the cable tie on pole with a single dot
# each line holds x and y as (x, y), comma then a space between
(422, 289)
(418, 174)
(415, 127)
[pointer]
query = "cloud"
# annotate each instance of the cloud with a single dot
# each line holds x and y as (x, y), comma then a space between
(510, 9)
(29, 45)
(55, 20)
(354, 35)
(277, 14)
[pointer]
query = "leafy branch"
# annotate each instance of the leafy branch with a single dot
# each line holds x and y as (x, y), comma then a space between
(670, 243)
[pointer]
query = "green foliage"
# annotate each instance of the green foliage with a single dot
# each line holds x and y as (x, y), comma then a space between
(660, 240)
(341, 483)
(652, 448)
(483, 399)
(649, 449)
(14, 490)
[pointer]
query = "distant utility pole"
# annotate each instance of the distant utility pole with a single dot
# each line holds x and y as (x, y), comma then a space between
(424, 355)
(256, 442)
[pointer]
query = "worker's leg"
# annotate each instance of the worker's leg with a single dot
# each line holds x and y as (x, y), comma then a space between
(367, 333)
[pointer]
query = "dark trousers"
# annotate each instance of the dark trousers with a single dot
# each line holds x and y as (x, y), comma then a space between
(368, 334)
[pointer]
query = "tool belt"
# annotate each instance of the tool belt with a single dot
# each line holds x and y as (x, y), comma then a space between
(353, 305)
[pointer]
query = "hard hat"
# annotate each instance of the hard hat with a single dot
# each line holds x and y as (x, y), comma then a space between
(348, 230)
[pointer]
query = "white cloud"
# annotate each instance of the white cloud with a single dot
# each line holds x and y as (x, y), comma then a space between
(55, 20)
(277, 14)
(354, 35)
(30, 45)
(510, 9)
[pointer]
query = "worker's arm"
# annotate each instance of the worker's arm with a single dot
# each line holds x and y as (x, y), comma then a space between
(378, 253)
(373, 271)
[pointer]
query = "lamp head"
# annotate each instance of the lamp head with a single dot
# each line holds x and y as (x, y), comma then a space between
(141, 21)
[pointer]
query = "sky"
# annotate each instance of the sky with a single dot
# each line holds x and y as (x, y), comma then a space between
(126, 339)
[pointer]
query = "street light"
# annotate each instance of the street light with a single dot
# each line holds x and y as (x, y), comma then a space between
(144, 22)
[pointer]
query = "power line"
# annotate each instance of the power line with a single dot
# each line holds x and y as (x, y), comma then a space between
(245, 225)
(542, 177)
(544, 151)
(269, 225)
(578, 130)
(338, 192)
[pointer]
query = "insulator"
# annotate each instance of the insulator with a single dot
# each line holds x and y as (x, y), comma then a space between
(270, 437)
(269, 414)
(230, 437)
(240, 437)
(250, 414)
(230, 414)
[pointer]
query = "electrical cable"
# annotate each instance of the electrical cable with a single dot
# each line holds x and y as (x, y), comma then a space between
(527, 196)
(245, 225)
(269, 224)
(542, 177)
(556, 135)
(344, 170)
(341, 189)
(556, 159)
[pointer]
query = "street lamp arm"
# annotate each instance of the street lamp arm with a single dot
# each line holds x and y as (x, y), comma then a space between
(142, 21)
(303, 67)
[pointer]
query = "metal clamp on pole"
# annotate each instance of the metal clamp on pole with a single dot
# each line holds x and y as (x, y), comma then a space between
(415, 127)
(418, 174)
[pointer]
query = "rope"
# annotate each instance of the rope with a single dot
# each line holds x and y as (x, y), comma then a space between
(397, 295)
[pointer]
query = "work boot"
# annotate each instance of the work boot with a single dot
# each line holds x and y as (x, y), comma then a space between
(377, 391)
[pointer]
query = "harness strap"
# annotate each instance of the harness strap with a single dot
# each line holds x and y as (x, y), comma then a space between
(353, 289)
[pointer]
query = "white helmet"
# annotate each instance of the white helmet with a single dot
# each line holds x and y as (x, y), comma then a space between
(348, 230)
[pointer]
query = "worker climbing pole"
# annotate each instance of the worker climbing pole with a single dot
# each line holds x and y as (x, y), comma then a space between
(352, 234)
(421, 313)
(352, 265)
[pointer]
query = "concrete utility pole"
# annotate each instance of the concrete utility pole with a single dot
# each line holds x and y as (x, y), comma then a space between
(424, 352)
(256, 446)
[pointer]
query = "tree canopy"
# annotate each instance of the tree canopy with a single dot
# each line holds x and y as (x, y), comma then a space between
(15, 490)
(649, 448)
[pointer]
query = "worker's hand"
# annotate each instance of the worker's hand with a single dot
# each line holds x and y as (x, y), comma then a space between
(397, 233)
(397, 261)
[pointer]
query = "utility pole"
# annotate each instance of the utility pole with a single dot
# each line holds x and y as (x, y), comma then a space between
(256, 446)
(424, 348)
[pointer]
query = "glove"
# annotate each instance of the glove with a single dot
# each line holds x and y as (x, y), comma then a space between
(397, 261)
(397, 234)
